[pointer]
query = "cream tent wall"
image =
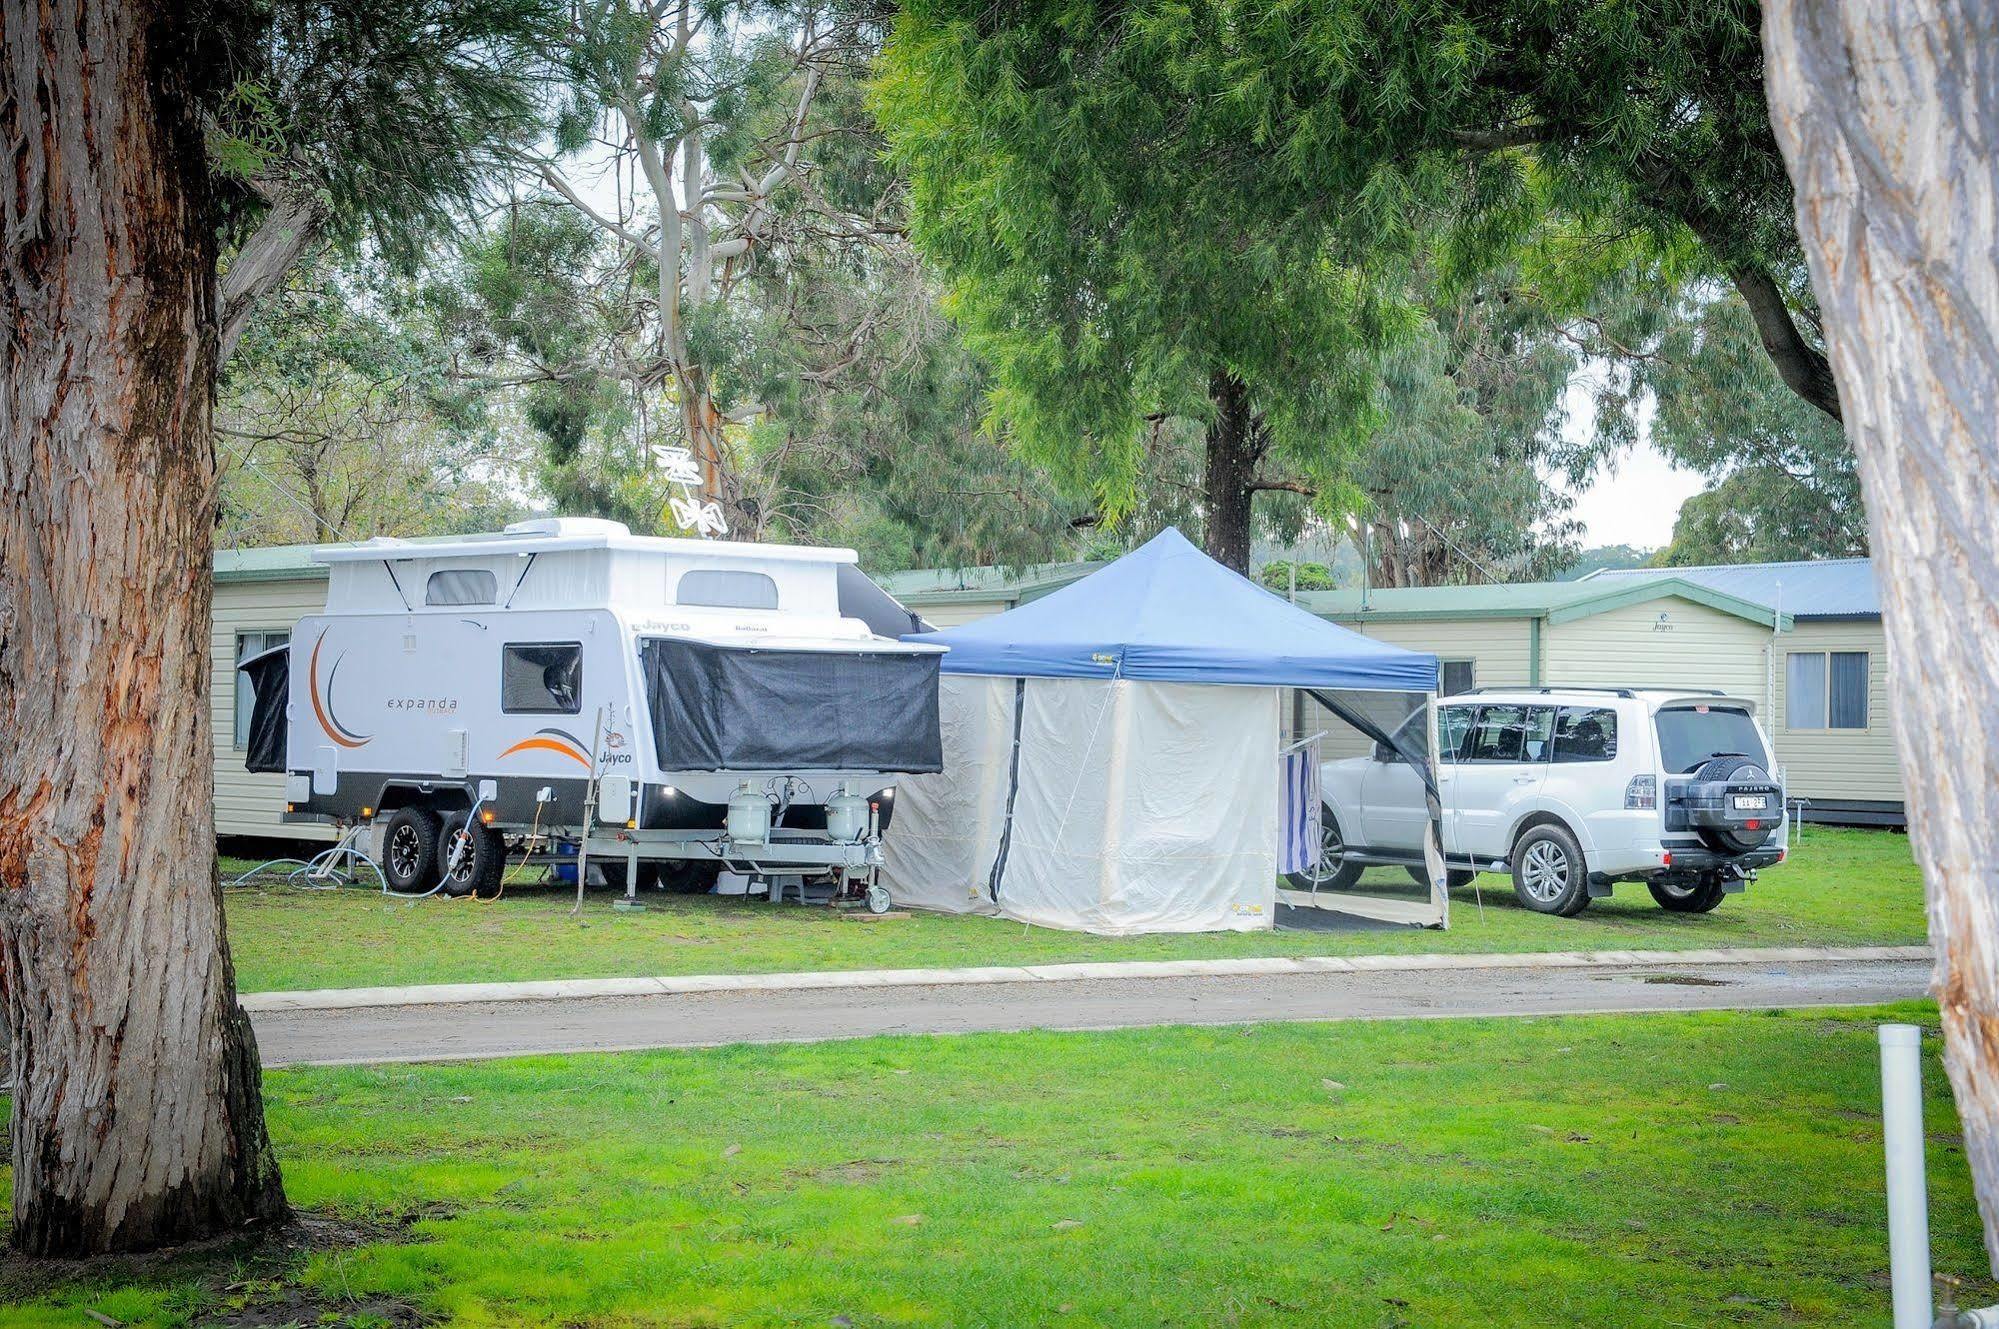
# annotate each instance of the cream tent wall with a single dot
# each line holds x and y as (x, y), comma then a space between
(1111, 750)
(1139, 807)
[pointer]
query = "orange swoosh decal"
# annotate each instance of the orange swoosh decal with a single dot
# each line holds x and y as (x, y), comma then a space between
(319, 711)
(548, 745)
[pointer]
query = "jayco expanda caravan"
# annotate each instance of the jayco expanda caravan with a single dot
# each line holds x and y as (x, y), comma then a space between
(679, 707)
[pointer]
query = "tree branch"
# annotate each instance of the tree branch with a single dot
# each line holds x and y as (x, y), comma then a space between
(562, 187)
(288, 230)
(1803, 366)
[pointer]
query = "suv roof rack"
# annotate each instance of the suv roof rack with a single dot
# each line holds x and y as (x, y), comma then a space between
(1630, 691)
(1545, 691)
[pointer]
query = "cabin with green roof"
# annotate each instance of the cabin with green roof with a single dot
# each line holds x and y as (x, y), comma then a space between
(1757, 631)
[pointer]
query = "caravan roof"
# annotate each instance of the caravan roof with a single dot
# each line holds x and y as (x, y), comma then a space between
(551, 534)
(582, 563)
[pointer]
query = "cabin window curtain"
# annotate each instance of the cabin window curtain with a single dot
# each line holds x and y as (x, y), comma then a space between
(1846, 695)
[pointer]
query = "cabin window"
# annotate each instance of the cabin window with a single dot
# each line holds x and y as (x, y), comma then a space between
(1825, 690)
(541, 678)
(247, 645)
(725, 589)
(1455, 677)
(462, 586)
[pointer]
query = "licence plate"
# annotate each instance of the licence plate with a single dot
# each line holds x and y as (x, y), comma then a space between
(1750, 802)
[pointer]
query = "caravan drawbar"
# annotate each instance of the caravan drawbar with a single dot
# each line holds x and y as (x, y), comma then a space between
(676, 707)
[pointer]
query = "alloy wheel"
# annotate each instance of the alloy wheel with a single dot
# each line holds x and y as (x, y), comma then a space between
(405, 851)
(1545, 871)
(1332, 851)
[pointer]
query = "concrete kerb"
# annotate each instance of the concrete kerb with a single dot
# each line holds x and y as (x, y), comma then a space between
(457, 994)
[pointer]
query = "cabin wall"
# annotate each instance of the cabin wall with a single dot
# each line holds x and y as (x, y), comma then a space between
(1839, 765)
(247, 804)
(1499, 651)
(1667, 643)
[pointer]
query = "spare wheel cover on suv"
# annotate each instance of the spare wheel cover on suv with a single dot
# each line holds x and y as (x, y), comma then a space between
(1734, 804)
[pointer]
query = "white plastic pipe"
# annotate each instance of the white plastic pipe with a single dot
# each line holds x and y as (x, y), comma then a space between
(1908, 1192)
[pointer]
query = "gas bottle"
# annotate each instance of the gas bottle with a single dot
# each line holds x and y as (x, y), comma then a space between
(846, 816)
(749, 815)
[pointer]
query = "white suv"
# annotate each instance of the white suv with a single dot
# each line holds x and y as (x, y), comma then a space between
(1570, 789)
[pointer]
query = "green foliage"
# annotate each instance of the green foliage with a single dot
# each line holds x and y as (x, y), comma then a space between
(1100, 254)
(1684, 368)
(1600, 557)
(339, 416)
(1471, 416)
(1311, 576)
(396, 114)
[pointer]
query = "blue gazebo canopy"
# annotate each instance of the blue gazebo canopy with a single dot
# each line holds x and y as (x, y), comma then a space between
(1168, 613)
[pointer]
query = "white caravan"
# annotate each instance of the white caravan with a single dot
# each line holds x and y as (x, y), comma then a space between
(695, 704)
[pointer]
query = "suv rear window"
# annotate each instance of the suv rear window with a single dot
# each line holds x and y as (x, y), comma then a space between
(1689, 735)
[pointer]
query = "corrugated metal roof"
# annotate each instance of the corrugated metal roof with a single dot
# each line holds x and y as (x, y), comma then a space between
(1807, 588)
(1556, 601)
(1527, 599)
(269, 563)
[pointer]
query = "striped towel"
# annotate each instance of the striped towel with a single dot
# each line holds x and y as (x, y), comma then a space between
(1298, 810)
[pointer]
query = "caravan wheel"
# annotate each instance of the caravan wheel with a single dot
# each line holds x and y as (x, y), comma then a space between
(409, 850)
(480, 858)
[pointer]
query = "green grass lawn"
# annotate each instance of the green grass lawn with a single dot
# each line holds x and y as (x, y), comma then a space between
(1645, 1170)
(1840, 888)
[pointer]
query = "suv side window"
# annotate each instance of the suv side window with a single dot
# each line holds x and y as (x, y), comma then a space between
(1498, 734)
(1511, 733)
(1453, 725)
(1586, 733)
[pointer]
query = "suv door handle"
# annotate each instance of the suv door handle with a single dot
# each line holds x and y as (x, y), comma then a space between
(1523, 779)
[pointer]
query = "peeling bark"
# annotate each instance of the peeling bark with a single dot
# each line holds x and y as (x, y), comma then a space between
(137, 1111)
(1888, 116)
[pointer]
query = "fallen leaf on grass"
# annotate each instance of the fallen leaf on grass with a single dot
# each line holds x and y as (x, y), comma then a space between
(1065, 1224)
(732, 1151)
(908, 1220)
(1333, 1086)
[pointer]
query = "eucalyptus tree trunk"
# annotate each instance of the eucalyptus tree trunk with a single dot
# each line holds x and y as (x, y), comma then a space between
(137, 1110)
(1234, 447)
(1888, 116)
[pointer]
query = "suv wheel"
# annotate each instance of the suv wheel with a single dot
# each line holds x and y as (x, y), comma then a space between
(1549, 875)
(409, 850)
(1698, 898)
(1332, 872)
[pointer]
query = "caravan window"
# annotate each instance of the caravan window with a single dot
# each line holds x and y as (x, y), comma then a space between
(461, 586)
(726, 590)
(542, 678)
